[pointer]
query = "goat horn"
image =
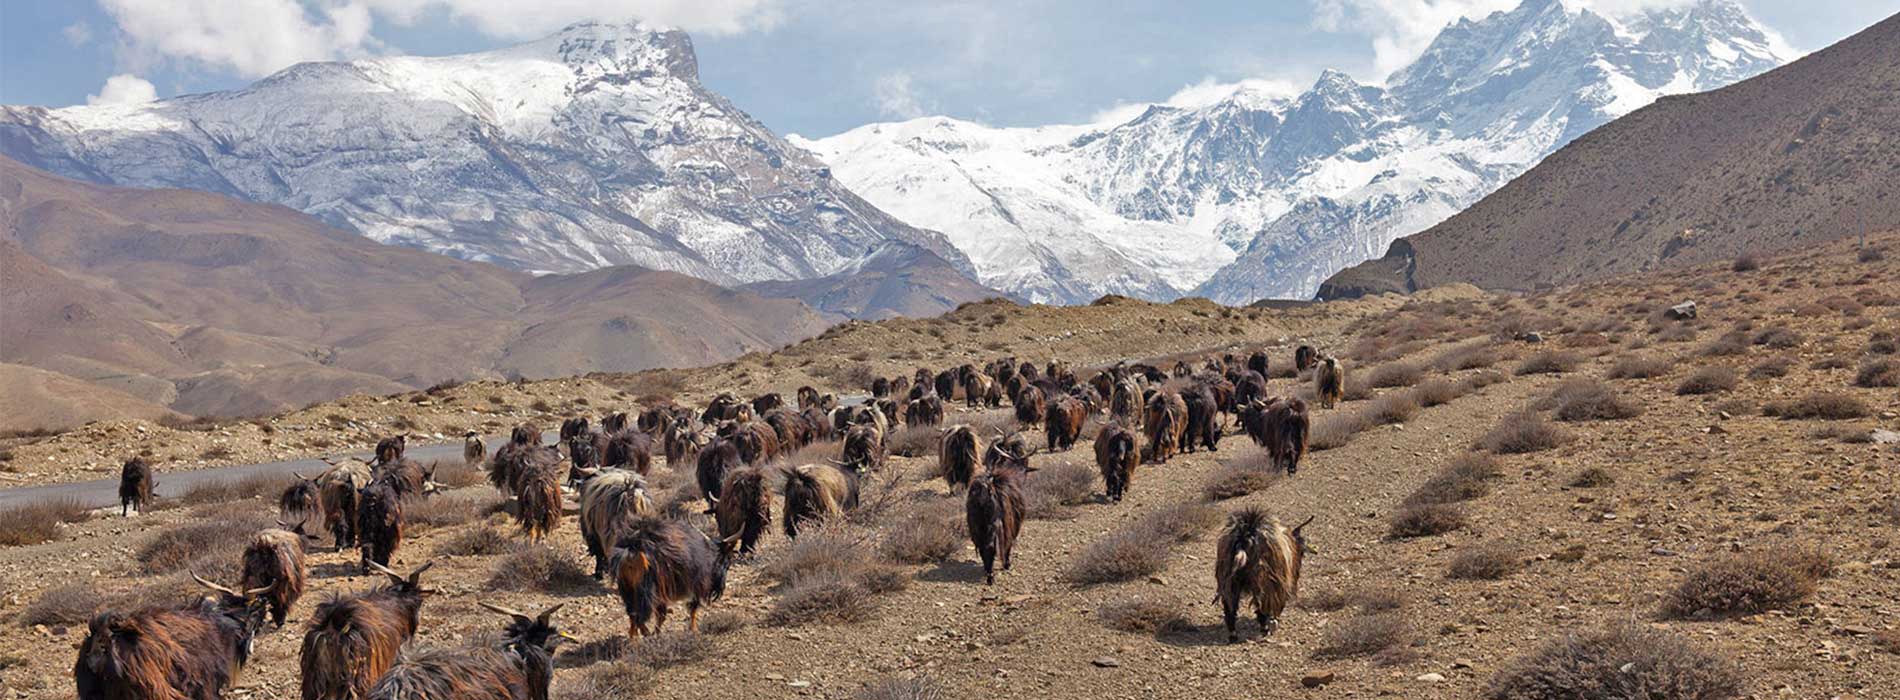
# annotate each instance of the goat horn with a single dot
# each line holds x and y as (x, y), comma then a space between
(417, 574)
(504, 611)
(256, 592)
(379, 568)
(1309, 519)
(549, 613)
(207, 584)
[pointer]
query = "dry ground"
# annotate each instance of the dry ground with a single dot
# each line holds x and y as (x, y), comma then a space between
(1597, 530)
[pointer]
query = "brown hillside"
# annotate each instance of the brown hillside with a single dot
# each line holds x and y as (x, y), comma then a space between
(1799, 155)
(899, 280)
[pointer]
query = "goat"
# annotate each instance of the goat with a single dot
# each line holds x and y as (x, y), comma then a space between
(1251, 386)
(719, 458)
(1124, 402)
(189, 653)
(946, 385)
(1288, 425)
(659, 563)
(816, 492)
(1329, 381)
(924, 411)
(1116, 456)
(1031, 404)
(790, 426)
(411, 479)
(537, 495)
(863, 449)
(880, 387)
(757, 442)
(978, 389)
(1259, 559)
(340, 490)
(473, 449)
(766, 403)
(1304, 357)
(1008, 451)
(274, 563)
(993, 511)
(682, 443)
(521, 668)
(505, 467)
(1166, 423)
(743, 508)
(628, 449)
(1203, 418)
(353, 640)
(301, 502)
(391, 448)
(821, 425)
(957, 456)
(573, 428)
(1257, 362)
(722, 407)
(1064, 422)
(135, 486)
(379, 521)
(610, 500)
(808, 397)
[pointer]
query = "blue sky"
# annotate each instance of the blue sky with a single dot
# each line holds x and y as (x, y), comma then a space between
(813, 67)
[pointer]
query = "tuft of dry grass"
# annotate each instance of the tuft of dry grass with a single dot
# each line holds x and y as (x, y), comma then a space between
(830, 551)
(1548, 362)
(1875, 373)
(1390, 409)
(538, 567)
(1240, 477)
(1591, 478)
(1363, 635)
(1707, 380)
(1746, 583)
(1049, 493)
(1334, 430)
(1522, 433)
(1143, 547)
(1771, 368)
(71, 604)
(915, 441)
(446, 510)
(1578, 400)
(1395, 374)
(209, 541)
(1625, 661)
(39, 522)
(1425, 520)
(1728, 345)
(1640, 367)
(822, 600)
(1466, 357)
(1464, 478)
(1746, 262)
(903, 689)
(1438, 392)
(1820, 405)
(1485, 562)
(669, 649)
(926, 535)
(1146, 615)
(617, 679)
(477, 542)
(1779, 338)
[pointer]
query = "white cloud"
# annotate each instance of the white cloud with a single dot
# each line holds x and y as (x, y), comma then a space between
(124, 89)
(896, 97)
(77, 33)
(1201, 94)
(252, 38)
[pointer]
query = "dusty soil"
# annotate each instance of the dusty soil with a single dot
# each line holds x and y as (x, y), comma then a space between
(1692, 477)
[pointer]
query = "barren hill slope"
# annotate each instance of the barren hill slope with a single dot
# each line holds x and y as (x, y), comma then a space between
(1802, 154)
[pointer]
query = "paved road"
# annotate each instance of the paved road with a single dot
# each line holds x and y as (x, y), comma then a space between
(105, 492)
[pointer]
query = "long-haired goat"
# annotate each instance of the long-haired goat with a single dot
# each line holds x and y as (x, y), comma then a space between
(1203, 418)
(538, 495)
(863, 449)
(340, 488)
(816, 492)
(521, 668)
(719, 458)
(379, 521)
(993, 510)
(1124, 404)
(957, 456)
(757, 442)
(744, 507)
(1329, 381)
(659, 563)
(1116, 455)
(628, 449)
(504, 468)
(473, 449)
(135, 486)
(1064, 422)
(610, 500)
(301, 502)
(927, 410)
(1257, 558)
(1304, 357)
(793, 432)
(1288, 424)
(274, 563)
(682, 442)
(391, 448)
(352, 640)
(190, 653)
(1031, 404)
(1166, 424)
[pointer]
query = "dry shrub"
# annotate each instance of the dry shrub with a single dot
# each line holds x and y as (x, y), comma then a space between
(72, 604)
(1625, 661)
(1579, 400)
(1466, 357)
(1356, 389)
(1771, 368)
(477, 542)
(1548, 362)
(1746, 583)
(1882, 343)
(455, 475)
(1240, 477)
(442, 511)
(903, 689)
(1844, 433)
(1395, 374)
(538, 567)
(926, 535)
(1707, 380)
(1485, 562)
(1868, 255)
(1747, 262)
(1363, 635)
(829, 551)
(39, 522)
(1876, 373)
(1730, 344)
(1820, 405)
(1050, 492)
(608, 681)
(822, 600)
(1425, 520)
(669, 649)
(1640, 367)
(720, 622)
(1437, 392)
(1143, 615)
(1367, 599)
(1390, 409)
(1779, 337)
(174, 548)
(915, 441)
(1481, 379)
(1462, 479)
(1336, 429)
(1592, 477)
(1522, 433)
(1143, 547)
(816, 453)
(1676, 334)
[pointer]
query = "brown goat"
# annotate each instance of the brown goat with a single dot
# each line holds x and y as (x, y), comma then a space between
(505, 467)
(1257, 558)
(863, 449)
(474, 451)
(682, 443)
(610, 500)
(1007, 451)
(379, 521)
(538, 496)
(135, 486)
(391, 448)
(719, 458)
(1203, 418)
(1329, 382)
(807, 397)
(1031, 404)
(1304, 357)
(659, 563)
(340, 489)
(927, 410)
(189, 653)
(353, 640)
(956, 457)
(1064, 422)
(274, 563)
(993, 511)
(1289, 426)
(1166, 423)
(627, 449)
(793, 432)
(521, 668)
(1116, 455)
(767, 403)
(757, 442)
(1124, 402)
(744, 507)
(301, 502)
(817, 492)
(978, 390)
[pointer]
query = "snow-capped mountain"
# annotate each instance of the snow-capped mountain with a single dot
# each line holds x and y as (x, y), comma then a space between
(596, 146)
(1261, 195)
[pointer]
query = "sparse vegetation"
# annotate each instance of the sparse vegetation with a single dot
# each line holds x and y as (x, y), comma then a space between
(1592, 478)
(1578, 400)
(1056, 487)
(1521, 433)
(1876, 373)
(1485, 562)
(1146, 615)
(926, 535)
(39, 522)
(477, 542)
(903, 689)
(1363, 635)
(1548, 362)
(1462, 479)
(71, 604)
(1640, 367)
(1746, 583)
(1820, 405)
(214, 541)
(1707, 380)
(1425, 520)
(1395, 374)
(1143, 547)
(1747, 262)
(1625, 661)
(1240, 477)
(538, 567)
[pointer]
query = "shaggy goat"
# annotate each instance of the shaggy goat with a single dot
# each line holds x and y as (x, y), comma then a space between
(274, 564)
(993, 511)
(817, 492)
(1329, 382)
(379, 521)
(610, 500)
(1289, 425)
(1031, 404)
(1259, 559)
(473, 449)
(353, 639)
(340, 490)
(301, 502)
(189, 653)
(719, 458)
(956, 457)
(537, 496)
(659, 563)
(521, 668)
(1304, 357)
(1203, 418)
(505, 467)
(1166, 423)
(744, 507)
(924, 411)
(1124, 402)
(135, 486)
(1116, 455)
(863, 449)
(1063, 424)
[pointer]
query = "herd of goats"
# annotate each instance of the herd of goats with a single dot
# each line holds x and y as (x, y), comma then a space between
(740, 450)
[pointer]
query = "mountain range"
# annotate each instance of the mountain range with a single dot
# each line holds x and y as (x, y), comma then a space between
(1803, 154)
(1264, 195)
